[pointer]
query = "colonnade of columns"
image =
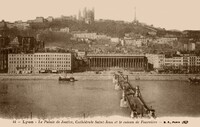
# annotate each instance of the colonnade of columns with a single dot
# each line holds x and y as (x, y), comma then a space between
(119, 62)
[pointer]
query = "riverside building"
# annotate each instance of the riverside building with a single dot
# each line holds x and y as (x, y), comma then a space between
(40, 62)
(115, 61)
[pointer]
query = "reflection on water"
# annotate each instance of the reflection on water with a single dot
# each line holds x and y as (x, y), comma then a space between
(50, 98)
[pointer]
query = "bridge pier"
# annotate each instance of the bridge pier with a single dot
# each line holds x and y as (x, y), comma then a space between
(123, 101)
(114, 78)
(133, 114)
(137, 91)
(127, 78)
(152, 113)
(117, 87)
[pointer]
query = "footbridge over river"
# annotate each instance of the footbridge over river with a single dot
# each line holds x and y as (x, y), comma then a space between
(132, 98)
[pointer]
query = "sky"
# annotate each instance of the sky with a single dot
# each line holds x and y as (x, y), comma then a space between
(169, 14)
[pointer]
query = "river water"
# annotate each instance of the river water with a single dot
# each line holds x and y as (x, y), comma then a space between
(53, 99)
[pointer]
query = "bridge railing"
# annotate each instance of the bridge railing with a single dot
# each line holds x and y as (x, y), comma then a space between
(132, 95)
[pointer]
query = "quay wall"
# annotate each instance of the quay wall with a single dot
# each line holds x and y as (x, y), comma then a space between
(82, 76)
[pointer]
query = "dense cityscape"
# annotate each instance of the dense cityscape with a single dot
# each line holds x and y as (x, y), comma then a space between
(82, 66)
(78, 42)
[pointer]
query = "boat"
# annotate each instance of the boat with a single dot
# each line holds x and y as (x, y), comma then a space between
(64, 77)
(194, 80)
(70, 79)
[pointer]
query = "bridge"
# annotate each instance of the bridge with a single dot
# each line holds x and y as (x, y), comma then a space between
(132, 98)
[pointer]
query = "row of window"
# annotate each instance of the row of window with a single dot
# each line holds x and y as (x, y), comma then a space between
(51, 58)
(40, 68)
(52, 66)
(52, 62)
(20, 59)
(16, 62)
(44, 55)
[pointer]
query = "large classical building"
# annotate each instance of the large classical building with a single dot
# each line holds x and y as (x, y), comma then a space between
(40, 62)
(114, 61)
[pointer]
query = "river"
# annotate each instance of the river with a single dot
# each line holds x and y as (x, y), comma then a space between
(53, 99)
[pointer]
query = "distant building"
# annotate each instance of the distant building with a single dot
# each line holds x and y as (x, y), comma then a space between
(20, 63)
(189, 46)
(66, 30)
(194, 64)
(185, 47)
(40, 62)
(102, 36)
(116, 40)
(3, 28)
(37, 20)
(152, 33)
(22, 25)
(192, 46)
(63, 18)
(165, 40)
(84, 35)
(4, 42)
(27, 44)
(4, 59)
(50, 19)
(157, 60)
(10, 25)
(174, 62)
(81, 54)
(87, 15)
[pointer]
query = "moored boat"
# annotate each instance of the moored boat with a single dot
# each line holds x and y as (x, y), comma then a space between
(195, 80)
(71, 79)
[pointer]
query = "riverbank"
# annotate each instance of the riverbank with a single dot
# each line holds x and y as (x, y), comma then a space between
(103, 76)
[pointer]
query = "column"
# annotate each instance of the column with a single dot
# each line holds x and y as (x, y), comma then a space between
(118, 62)
(121, 62)
(93, 62)
(114, 62)
(111, 62)
(103, 62)
(108, 62)
(139, 62)
(134, 63)
(90, 62)
(97, 62)
(127, 62)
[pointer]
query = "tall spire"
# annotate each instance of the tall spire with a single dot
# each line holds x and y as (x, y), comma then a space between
(135, 18)
(79, 15)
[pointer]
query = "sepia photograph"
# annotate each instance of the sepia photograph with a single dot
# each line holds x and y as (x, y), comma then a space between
(99, 63)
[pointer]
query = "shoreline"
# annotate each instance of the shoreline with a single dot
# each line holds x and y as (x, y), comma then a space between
(92, 76)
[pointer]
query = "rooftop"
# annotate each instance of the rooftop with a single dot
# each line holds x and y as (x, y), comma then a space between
(116, 55)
